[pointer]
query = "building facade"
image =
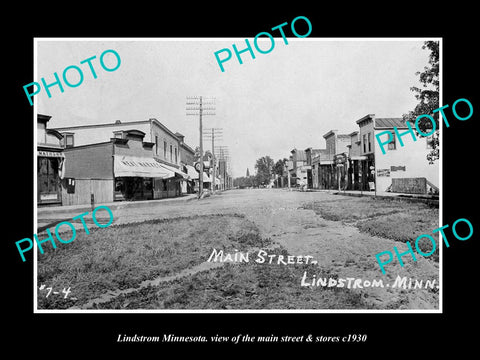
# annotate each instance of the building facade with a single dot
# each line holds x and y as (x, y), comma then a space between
(187, 155)
(123, 169)
(298, 167)
(333, 168)
(366, 136)
(310, 154)
(50, 163)
(355, 161)
(404, 168)
(357, 177)
(165, 147)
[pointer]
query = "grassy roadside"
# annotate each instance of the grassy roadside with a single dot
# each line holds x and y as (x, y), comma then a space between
(399, 220)
(246, 286)
(122, 256)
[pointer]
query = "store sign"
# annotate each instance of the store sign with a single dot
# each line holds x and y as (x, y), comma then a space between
(340, 160)
(50, 154)
(131, 166)
(398, 168)
(383, 172)
(48, 197)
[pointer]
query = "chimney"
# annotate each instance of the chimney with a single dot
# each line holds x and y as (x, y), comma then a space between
(180, 137)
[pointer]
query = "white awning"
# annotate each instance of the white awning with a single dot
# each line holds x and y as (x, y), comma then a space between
(358, 157)
(192, 172)
(133, 166)
(175, 170)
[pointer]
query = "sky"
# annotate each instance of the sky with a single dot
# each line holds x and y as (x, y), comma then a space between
(286, 99)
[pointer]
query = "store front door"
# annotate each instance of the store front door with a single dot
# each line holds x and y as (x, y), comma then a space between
(48, 180)
(133, 188)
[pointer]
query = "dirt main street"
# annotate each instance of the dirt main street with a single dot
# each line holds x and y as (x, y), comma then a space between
(338, 246)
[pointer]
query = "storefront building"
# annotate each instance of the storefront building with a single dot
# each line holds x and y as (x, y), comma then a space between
(332, 168)
(367, 151)
(312, 171)
(187, 155)
(50, 162)
(357, 174)
(120, 169)
(164, 146)
(298, 168)
(403, 169)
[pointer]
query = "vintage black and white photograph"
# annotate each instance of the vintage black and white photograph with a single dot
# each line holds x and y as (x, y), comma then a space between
(274, 174)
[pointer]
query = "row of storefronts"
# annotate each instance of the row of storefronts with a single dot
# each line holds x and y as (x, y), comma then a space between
(104, 163)
(355, 162)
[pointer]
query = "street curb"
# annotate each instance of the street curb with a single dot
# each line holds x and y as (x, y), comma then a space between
(430, 201)
(113, 206)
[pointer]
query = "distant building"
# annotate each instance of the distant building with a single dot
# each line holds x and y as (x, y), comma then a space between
(367, 150)
(321, 158)
(299, 167)
(310, 154)
(187, 155)
(334, 168)
(400, 169)
(355, 161)
(357, 174)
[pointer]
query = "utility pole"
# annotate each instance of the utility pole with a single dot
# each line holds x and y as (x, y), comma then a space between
(218, 132)
(288, 175)
(222, 155)
(199, 109)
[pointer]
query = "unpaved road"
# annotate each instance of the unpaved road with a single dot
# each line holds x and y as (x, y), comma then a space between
(336, 246)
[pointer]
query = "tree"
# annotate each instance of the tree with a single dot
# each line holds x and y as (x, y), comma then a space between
(264, 168)
(248, 173)
(279, 167)
(428, 97)
(243, 182)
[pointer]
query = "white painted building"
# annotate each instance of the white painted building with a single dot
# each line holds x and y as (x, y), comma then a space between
(399, 162)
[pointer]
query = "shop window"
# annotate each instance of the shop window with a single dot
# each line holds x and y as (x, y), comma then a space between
(48, 180)
(164, 185)
(147, 184)
(119, 185)
(393, 144)
(69, 140)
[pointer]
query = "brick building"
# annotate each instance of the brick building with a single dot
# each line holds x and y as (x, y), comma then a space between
(122, 168)
(160, 143)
